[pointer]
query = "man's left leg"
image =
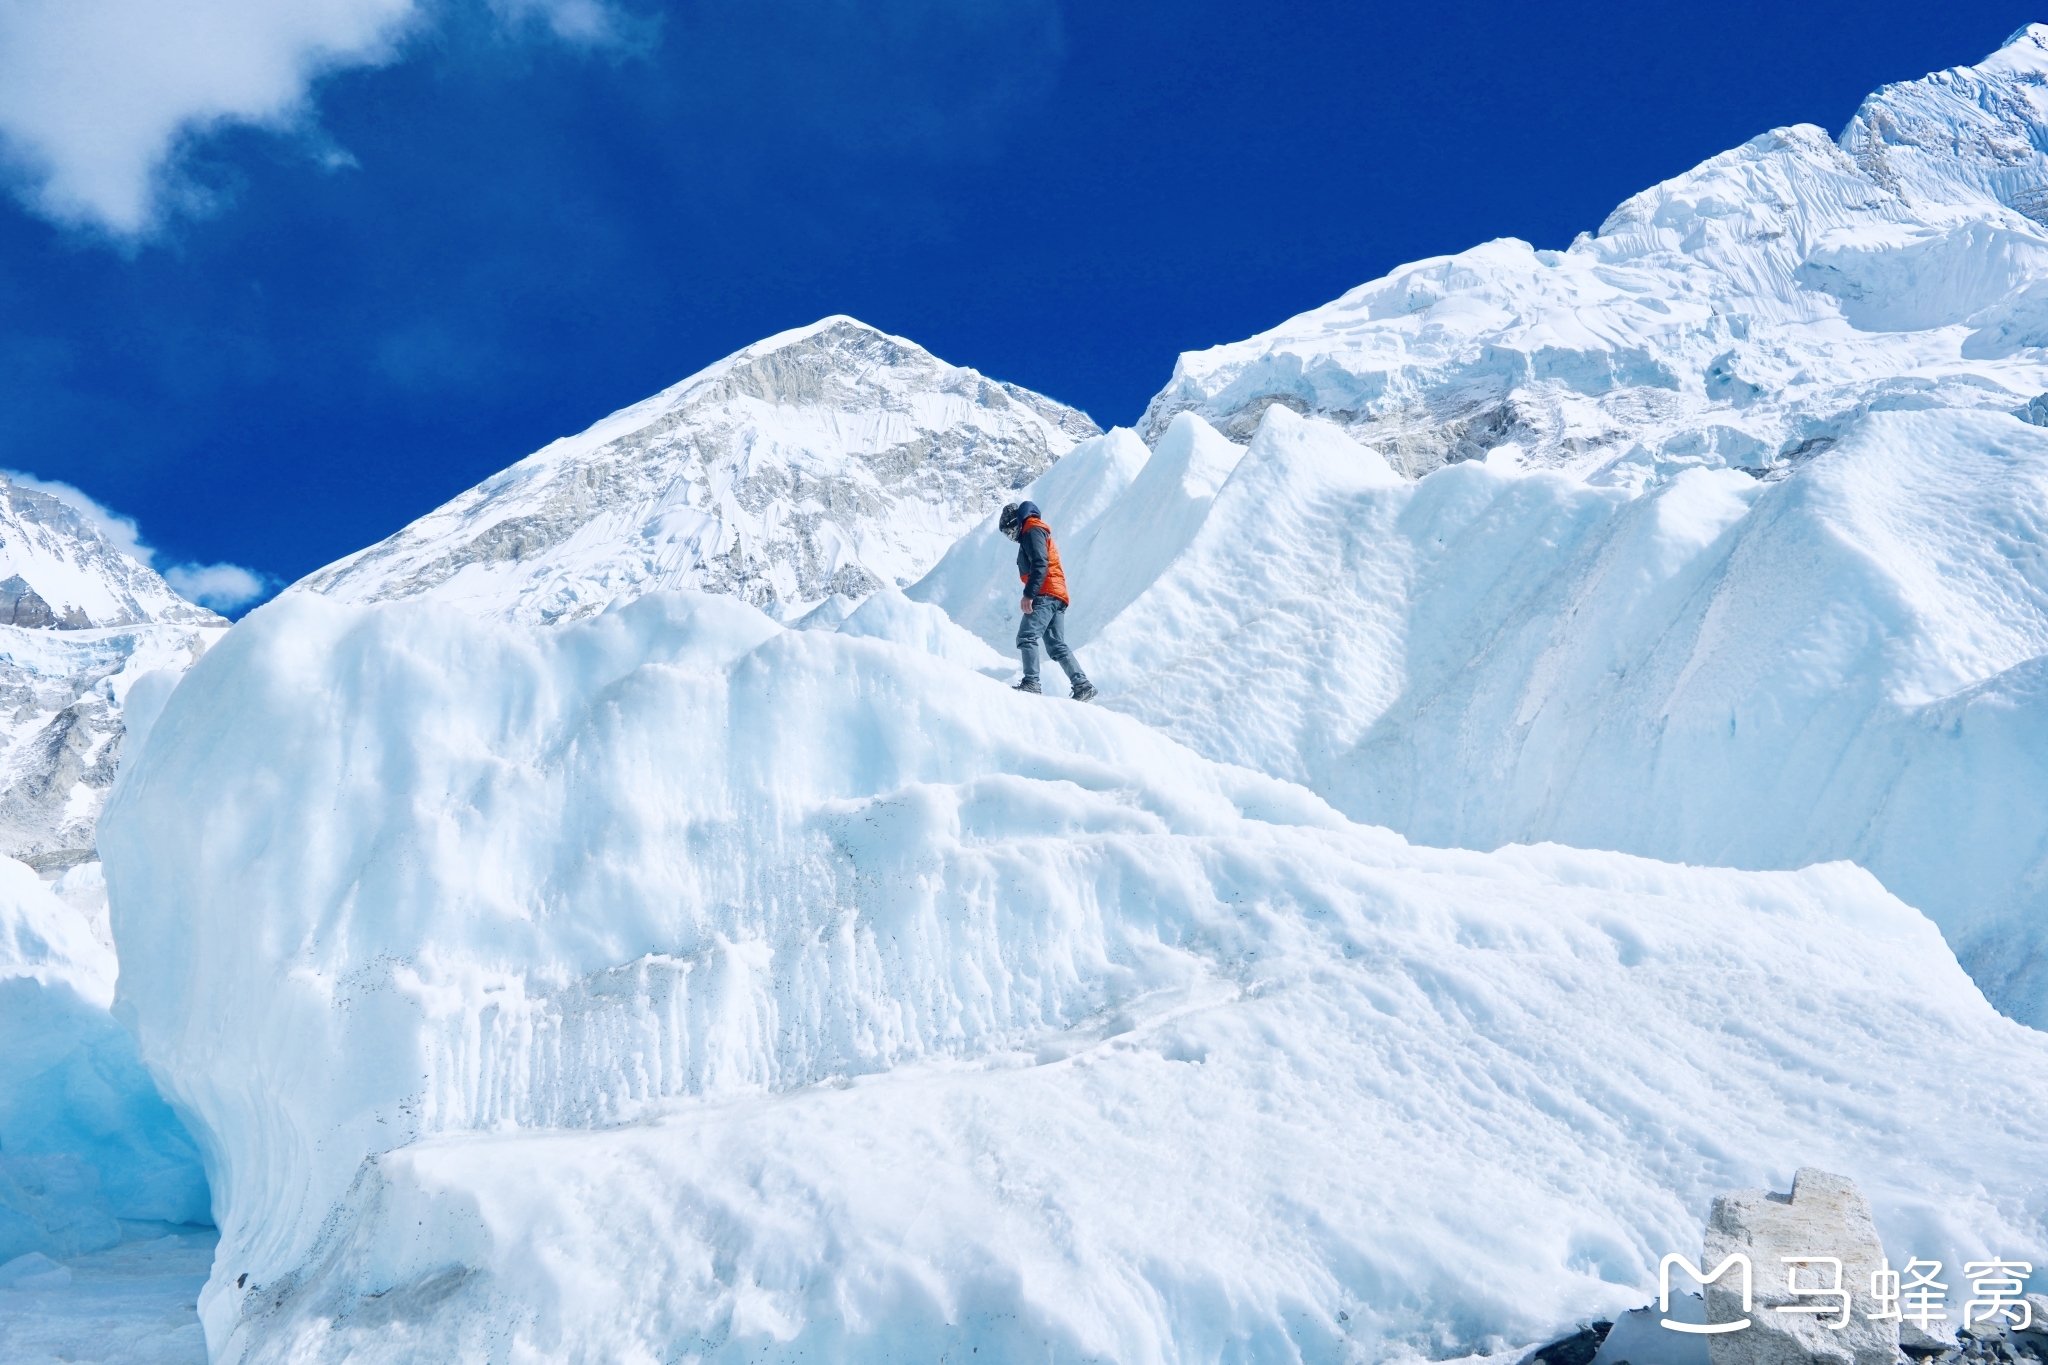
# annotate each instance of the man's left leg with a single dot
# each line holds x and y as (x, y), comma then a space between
(1029, 631)
(1056, 645)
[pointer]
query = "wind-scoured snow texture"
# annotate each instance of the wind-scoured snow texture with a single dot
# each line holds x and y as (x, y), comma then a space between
(1846, 663)
(671, 985)
(84, 1138)
(832, 459)
(1739, 316)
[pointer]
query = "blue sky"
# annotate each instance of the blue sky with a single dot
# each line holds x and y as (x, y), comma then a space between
(278, 277)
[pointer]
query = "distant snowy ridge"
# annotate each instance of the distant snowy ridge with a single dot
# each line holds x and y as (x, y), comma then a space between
(832, 459)
(1739, 316)
(80, 622)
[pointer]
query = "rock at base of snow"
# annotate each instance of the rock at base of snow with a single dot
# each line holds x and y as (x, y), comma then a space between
(1580, 1348)
(1811, 1257)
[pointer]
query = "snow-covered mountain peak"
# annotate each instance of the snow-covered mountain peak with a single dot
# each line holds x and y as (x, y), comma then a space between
(832, 458)
(57, 571)
(1742, 314)
(1967, 134)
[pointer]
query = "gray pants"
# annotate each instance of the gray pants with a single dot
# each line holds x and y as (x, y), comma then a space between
(1045, 623)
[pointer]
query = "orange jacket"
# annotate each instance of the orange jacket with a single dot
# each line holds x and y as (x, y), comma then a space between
(1055, 581)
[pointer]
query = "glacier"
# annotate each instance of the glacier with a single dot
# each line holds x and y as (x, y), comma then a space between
(673, 984)
(1729, 548)
(1570, 745)
(91, 642)
(81, 623)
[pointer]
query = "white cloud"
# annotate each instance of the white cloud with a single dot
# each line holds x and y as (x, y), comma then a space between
(222, 587)
(589, 23)
(97, 96)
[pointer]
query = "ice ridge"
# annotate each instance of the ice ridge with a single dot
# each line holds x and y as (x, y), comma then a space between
(1737, 316)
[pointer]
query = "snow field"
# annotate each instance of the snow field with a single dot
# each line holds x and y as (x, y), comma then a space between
(669, 985)
(672, 985)
(129, 1305)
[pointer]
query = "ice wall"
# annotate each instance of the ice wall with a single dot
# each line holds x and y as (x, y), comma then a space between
(672, 985)
(84, 1138)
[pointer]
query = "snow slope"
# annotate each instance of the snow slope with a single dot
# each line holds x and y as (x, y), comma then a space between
(84, 1138)
(1738, 316)
(975, 582)
(672, 985)
(832, 459)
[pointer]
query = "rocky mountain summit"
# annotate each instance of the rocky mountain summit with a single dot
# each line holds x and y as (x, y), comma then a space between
(832, 459)
(81, 621)
(1737, 316)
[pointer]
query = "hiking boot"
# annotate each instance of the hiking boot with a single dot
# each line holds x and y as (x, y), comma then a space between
(1029, 685)
(1083, 691)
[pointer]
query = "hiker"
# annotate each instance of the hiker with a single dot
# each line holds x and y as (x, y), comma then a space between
(1045, 599)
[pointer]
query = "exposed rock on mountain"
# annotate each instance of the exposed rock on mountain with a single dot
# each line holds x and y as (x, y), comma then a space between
(828, 459)
(1739, 315)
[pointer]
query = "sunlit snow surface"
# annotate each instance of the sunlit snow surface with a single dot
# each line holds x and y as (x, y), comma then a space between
(674, 985)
